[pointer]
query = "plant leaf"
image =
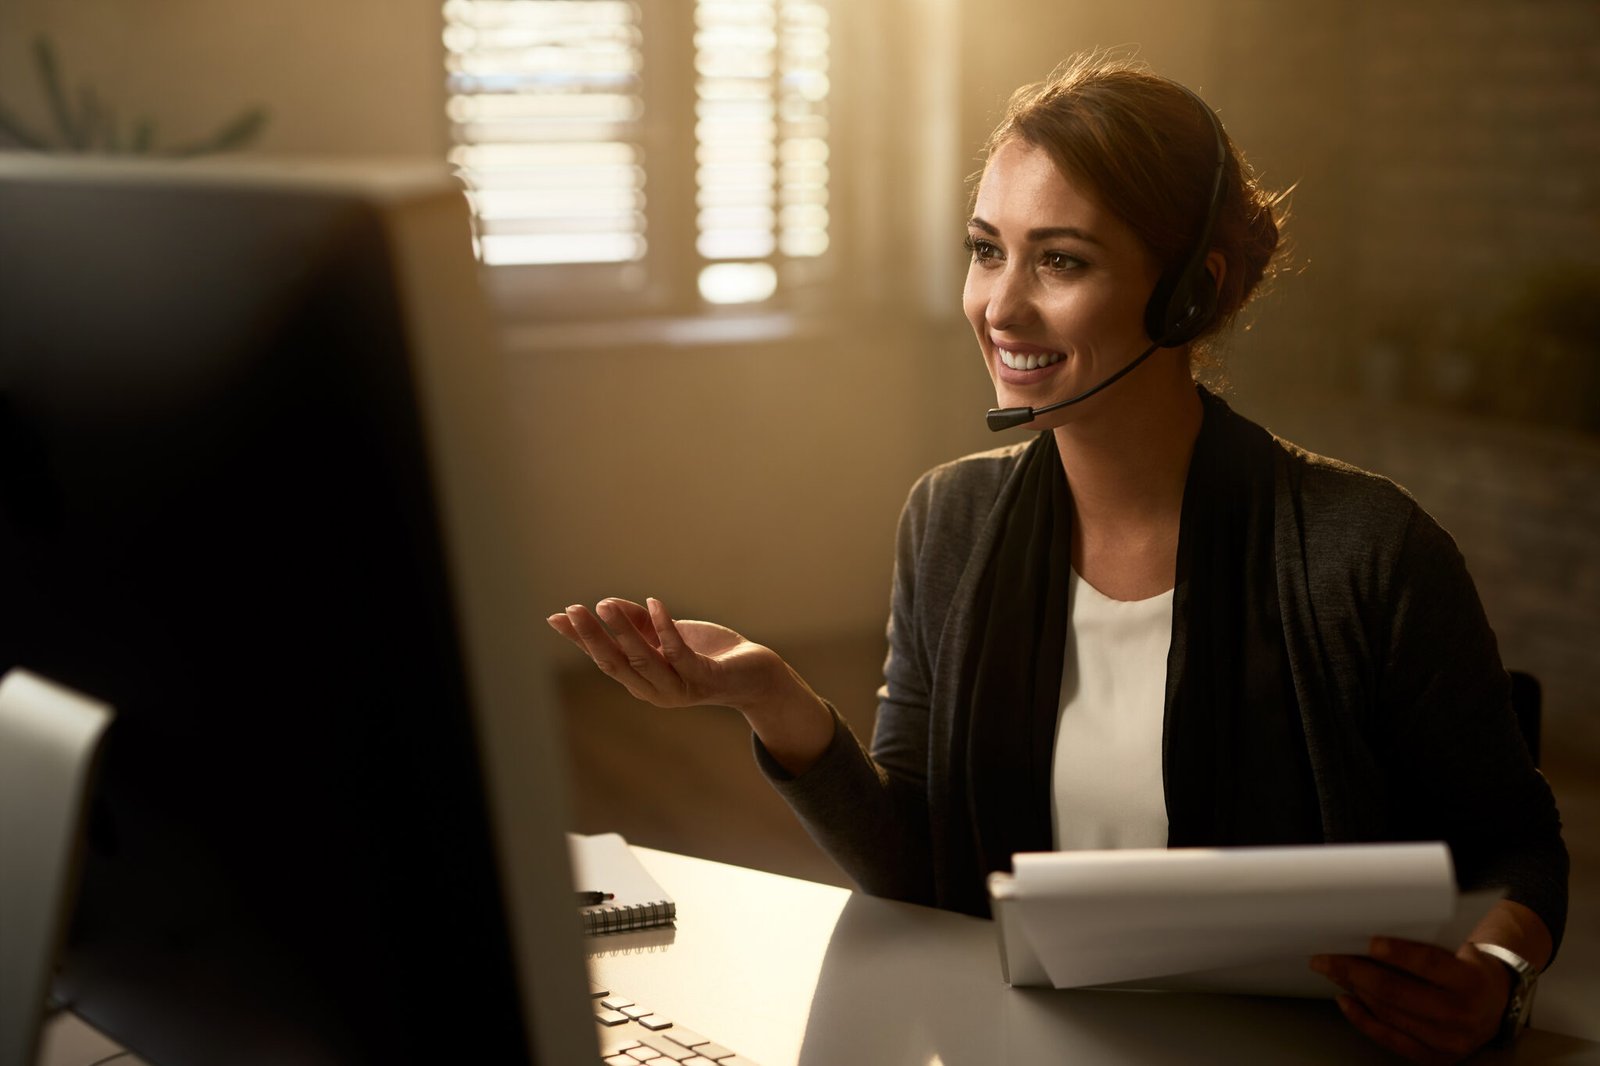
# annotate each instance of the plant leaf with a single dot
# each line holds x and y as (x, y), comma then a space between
(44, 55)
(235, 134)
(144, 136)
(12, 129)
(97, 133)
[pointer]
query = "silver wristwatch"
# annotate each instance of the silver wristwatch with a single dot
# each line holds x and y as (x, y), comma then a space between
(1524, 980)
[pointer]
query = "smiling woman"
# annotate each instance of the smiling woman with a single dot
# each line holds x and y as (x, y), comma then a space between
(1057, 306)
(1153, 622)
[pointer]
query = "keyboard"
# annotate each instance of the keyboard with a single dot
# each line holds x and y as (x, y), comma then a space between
(634, 1035)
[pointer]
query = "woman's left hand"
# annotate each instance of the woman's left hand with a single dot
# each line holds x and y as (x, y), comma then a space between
(1418, 1000)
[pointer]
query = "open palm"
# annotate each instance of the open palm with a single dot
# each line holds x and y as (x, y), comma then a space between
(666, 662)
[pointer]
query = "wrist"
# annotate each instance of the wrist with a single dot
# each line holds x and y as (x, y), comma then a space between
(1520, 982)
(791, 721)
(775, 687)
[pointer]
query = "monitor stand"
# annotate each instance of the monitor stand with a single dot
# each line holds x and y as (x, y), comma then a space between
(49, 737)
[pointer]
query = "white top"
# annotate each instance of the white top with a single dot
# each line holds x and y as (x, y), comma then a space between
(1107, 788)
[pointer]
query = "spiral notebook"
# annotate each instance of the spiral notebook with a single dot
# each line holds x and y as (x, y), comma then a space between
(603, 863)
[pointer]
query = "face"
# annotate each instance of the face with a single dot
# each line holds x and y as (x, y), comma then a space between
(1056, 288)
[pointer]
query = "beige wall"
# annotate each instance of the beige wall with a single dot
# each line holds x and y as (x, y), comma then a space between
(754, 482)
(757, 482)
(340, 77)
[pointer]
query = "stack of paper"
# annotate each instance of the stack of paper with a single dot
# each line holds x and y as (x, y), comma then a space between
(1225, 919)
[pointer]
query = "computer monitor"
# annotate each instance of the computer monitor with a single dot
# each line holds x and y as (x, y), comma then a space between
(257, 496)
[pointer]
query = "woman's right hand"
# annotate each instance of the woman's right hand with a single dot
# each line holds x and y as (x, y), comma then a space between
(666, 662)
(671, 663)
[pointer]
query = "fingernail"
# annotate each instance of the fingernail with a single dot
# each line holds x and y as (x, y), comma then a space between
(1380, 947)
(1319, 963)
(550, 620)
(574, 608)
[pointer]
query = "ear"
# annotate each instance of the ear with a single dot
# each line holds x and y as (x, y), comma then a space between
(1217, 267)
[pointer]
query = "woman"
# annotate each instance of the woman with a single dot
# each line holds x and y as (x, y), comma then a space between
(1154, 624)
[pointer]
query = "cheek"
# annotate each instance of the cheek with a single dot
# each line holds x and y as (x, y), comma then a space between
(1099, 313)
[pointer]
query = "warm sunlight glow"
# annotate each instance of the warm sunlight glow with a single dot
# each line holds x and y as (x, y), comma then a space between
(548, 109)
(762, 88)
(738, 283)
(574, 152)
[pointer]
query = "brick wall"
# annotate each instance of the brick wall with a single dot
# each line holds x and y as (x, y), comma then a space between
(1448, 214)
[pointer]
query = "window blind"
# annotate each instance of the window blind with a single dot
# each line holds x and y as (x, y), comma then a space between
(551, 118)
(547, 110)
(761, 133)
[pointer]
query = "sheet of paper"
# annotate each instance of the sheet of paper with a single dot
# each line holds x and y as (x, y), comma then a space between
(1291, 974)
(1106, 917)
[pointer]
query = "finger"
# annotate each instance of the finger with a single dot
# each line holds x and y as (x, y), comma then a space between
(1333, 968)
(1396, 990)
(1432, 964)
(594, 638)
(674, 648)
(1386, 1035)
(637, 616)
(698, 672)
(1340, 969)
(643, 658)
(600, 647)
(563, 625)
(1423, 1012)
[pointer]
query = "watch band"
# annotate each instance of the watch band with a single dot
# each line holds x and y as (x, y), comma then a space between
(1524, 980)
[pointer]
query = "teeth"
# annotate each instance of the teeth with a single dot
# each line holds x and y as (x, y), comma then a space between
(1029, 362)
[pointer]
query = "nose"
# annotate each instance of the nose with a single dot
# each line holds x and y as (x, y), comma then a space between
(1010, 301)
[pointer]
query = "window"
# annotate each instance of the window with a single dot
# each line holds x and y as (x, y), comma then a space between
(609, 144)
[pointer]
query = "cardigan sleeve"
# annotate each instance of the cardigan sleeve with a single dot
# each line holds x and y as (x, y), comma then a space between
(868, 810)
(879, 810)
(1454, 758)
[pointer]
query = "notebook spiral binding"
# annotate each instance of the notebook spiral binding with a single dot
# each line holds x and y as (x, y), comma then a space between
(621, 919)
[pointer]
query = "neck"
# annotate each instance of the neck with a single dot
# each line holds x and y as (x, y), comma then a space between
(1132, 459)
(1126, 465)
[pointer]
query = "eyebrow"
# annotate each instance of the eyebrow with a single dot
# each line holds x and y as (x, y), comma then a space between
(1039, 233)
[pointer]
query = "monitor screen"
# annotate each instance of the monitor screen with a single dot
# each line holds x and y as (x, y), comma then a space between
(255, 497)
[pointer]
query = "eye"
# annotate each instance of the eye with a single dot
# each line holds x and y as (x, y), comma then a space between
(1061, 261)
(983, 251)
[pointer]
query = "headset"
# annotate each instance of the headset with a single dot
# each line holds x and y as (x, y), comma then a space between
(1185, 299)
(1181, 305)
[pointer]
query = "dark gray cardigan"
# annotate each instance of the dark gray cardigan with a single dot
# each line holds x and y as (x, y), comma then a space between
(1404, 703)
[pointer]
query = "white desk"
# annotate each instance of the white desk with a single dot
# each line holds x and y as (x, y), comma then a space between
(791, 972)
(787, 971)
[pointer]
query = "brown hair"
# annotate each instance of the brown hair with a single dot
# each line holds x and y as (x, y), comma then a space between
(1149, 156)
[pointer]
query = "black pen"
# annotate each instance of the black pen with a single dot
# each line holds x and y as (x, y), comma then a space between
(589, 899)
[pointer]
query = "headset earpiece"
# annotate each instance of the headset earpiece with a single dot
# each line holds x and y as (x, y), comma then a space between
(1181, 306)
(1184, 301)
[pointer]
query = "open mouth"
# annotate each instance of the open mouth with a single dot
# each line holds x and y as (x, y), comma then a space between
(1029, 360)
